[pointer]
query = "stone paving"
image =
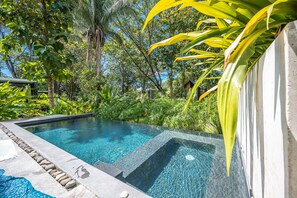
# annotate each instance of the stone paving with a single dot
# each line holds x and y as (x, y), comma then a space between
(24, 166)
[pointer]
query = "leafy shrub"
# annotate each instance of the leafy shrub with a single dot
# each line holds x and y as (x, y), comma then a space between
(201, 116)
(159, 109)
(128, 107)
(162, 111)
(68, 107)
(16, 102)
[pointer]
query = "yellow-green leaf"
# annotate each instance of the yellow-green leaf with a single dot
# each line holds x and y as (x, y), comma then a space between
(218, 10)
(203, 52)
(177, 38)
(207, 21)
(160, 7)
(277, 7)
(208, 92)
(228, 93)
(217, 42)
(230, 86)
(203, 36)
(193, 57)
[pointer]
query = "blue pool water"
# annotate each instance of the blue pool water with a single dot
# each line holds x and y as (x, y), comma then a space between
(94, 140)
(190, 169)
(182, 170)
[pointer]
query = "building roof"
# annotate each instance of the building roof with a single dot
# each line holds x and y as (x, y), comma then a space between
(16, 81)
(191, 82)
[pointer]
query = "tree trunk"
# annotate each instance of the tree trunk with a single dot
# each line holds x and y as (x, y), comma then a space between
(98, 58)
(50, 89)
(56, 85)
(99, 44)
(183, 80)
(89, 48)
(143, 85)
(10, 67)
(122, 85)
(88, 58)
(170, 78)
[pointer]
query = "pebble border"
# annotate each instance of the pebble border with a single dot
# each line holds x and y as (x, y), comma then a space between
(60, 176)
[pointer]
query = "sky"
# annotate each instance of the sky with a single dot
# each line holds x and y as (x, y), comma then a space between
(5, 72)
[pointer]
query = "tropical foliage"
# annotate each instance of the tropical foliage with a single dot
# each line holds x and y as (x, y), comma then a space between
(14, 103)
(19, 103)
(40, 28)
(240, 31)
(161, 111)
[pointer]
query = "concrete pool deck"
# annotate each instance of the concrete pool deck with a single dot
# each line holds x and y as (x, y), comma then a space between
(91, 180)
(24, 166)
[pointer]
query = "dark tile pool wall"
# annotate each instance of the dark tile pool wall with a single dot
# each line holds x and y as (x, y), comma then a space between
(233, 185)
(211, 182)
(146, 174)
(154, 164)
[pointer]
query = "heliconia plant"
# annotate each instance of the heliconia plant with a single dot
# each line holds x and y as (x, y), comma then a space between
(241, 31)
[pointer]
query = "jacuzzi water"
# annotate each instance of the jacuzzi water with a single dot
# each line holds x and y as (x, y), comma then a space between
(182, 171)
(189, 169)
(182, 177)
(95, 140)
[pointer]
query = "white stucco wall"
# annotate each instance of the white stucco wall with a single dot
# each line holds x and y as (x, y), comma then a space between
(267, 120)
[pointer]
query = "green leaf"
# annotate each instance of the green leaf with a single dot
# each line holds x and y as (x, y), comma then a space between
(228, 93)
(217, 10)
(193, 57)
(159, 7)
(203, 36)
(11, 25)
(217, 42)
(280, 6)
(230, 86)
(207, 21)
(177, 38)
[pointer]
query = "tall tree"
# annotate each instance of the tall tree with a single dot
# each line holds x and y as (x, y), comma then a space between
(136, 43)
(93, 19)
(43, 27)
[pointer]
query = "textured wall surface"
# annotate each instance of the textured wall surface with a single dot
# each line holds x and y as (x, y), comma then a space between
(267, 122)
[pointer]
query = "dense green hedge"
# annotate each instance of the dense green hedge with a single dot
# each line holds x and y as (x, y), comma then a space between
(134, 107)
(162, 111)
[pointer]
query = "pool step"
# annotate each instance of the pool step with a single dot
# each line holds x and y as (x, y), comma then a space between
(110, 169)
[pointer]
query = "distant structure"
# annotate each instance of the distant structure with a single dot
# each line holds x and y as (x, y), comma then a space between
(188, 85)
(21, 83)
(151, 93)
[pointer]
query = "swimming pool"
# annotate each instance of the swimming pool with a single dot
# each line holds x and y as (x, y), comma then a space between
(95, 140)
(157, 161)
